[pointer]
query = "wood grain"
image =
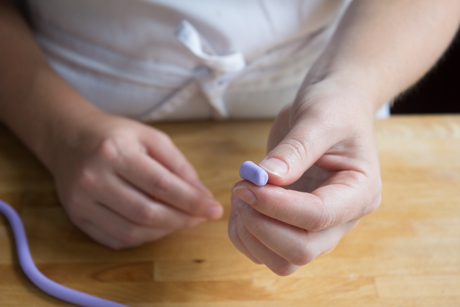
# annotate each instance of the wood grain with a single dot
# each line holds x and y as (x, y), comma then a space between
(407, 253)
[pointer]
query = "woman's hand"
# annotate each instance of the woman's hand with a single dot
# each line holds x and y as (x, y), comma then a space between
(121, 182)
(322, 149)
(124, 183)
(323, 177)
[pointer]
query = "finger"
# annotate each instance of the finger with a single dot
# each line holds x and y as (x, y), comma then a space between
(236, 240)
(303, 145)
(311, 180)
(296, 245)
(168, 155)
(124, 231)
(99, 236)
(344, 197)
(140, 209)
(156, 181)
(273, 261)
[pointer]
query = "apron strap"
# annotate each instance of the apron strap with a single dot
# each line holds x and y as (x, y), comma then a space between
(217, 70)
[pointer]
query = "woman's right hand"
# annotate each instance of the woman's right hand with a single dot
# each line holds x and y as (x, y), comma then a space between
(124, 183)
(121, 182)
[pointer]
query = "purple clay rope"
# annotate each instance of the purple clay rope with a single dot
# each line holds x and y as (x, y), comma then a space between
(254, 173)
(45, 284)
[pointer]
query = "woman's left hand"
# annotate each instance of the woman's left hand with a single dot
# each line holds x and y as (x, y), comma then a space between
(323, 177)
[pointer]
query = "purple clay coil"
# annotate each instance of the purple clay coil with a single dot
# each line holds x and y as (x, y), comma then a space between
(252, 172)
(27, 264)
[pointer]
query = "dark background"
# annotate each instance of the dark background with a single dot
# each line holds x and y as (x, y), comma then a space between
(438, 91)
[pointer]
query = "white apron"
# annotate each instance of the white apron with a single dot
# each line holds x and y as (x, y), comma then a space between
(176, 59)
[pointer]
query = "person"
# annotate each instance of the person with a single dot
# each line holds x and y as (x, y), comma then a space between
(70, 89)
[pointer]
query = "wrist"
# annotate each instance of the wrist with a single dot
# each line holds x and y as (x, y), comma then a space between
(49, 114)
(337, 98)
(70, 131)
(363, 82)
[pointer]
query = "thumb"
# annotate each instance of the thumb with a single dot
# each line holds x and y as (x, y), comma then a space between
(304, 144)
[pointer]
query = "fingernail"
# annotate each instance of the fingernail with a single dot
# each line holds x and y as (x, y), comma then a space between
(245, 194)
(214, 212)
(275, 166)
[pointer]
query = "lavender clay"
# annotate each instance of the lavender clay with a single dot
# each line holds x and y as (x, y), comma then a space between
(252, 172)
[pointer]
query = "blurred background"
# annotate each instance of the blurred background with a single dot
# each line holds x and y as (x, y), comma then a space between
(438, 91)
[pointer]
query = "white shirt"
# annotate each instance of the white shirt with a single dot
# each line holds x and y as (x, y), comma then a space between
(176, 59)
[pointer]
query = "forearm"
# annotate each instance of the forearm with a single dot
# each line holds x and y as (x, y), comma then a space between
(35, 102)
(383, 47)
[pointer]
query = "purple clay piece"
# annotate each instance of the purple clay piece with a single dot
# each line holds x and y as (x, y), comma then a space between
(252, 172)
(27, 264)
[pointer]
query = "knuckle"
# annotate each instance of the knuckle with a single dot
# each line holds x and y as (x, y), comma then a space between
(86, 179)
(185, 170)
(145, 216)
(376, 197)
(114, 245)
(324, 219)
(255, 226)
(196, 204)
(297, 147)
(163, 137)
(284, 268)
(162, 185)
(128, 237)
(374, 204)
(266, 208)
(108, 150)
(303, 256)
(266, 203)
(322, 222)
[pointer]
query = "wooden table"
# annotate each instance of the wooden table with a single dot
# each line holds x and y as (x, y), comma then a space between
(407, 253)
